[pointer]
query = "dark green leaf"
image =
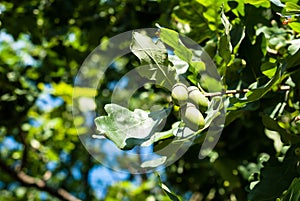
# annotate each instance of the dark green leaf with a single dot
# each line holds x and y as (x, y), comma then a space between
(273, 125)
(275, 177)
(293, 193)
(257, 93)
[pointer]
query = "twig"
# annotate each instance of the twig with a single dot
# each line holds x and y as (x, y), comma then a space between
(241, 91)
(40, 184)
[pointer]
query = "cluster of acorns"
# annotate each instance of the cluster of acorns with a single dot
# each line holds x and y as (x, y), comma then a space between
(190, 100)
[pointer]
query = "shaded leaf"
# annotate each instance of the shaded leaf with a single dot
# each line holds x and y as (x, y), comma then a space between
(293, 62)
(273, 125)
(275, 177)
(257, 93)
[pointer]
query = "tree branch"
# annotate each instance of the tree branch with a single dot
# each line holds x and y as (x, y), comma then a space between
(25, 150)
(242, 91)
(40, 184)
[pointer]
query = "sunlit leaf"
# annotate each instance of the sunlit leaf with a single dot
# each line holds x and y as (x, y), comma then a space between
(180, 65)
(269, 69)
(258, 3)
(153, 54)
(294, 47)
(126, 128)
(167, 191)
(146, 50)
(292, 7)
(172, 39)
(295, 26)
(154, 163)
(162, 135)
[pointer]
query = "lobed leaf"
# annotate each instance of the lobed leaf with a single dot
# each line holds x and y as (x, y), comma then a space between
(126, 128)
(146, 50)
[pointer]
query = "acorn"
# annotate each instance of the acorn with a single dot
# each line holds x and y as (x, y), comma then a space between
(192, 117)
(297, 151)
(196, 97)
(179, 94)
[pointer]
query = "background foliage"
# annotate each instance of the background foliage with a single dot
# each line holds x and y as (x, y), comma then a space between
(43, 44)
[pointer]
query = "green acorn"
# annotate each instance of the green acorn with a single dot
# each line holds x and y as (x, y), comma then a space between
(192, 117)
(297, 151)
(179, 94)
(197, 98)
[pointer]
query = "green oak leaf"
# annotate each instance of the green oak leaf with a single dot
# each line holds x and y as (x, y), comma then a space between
(172, 39)
(128, 128)
(155, 55)
(146, 50)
